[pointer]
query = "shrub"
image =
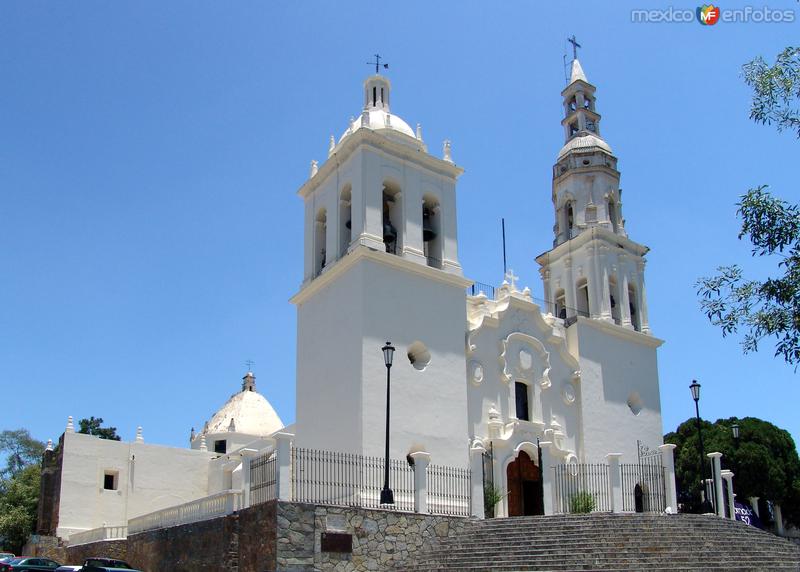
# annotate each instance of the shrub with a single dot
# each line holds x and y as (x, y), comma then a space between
(581, 503)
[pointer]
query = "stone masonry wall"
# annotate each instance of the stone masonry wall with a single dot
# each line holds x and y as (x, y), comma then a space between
(380, 539)
(207, 546)
(108, 548)
(257, 545)
(281, 536)
(47, 547)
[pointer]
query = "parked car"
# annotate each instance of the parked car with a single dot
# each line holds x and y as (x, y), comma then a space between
(68, 568)
(29, 563)
(106, 563)
(6, 556)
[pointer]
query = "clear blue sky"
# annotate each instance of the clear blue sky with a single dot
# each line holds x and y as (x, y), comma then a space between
(150, 153)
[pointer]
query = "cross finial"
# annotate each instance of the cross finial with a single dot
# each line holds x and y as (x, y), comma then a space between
(575, 46)
(249, 363)
(377, 64)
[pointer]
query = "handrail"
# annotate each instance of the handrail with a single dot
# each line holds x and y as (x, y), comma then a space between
(206, 508)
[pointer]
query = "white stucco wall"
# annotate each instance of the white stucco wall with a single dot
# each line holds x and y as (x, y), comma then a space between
(341, 384)
(150, 477)
(616, 363)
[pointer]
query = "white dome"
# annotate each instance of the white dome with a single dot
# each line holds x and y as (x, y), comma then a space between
(252, 414)
(378, 122)
(583, 142)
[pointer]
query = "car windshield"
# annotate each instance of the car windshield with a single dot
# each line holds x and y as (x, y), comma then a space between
(16, 560)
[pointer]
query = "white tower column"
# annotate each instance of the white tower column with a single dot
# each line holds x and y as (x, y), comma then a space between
(719, 500)
(626, 303)
(728, 476)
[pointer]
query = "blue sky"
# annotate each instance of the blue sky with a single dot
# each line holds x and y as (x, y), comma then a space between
(150, 153)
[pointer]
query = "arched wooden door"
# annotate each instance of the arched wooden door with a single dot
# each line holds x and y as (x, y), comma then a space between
(523, 479)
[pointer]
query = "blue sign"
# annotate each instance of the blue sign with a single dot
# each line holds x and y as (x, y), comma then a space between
(746, 514)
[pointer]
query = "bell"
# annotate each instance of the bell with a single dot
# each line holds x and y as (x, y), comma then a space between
(389, 232)
(428, 233)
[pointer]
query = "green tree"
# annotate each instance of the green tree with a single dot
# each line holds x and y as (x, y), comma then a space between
(19, 486)
(776, 90)
(20, 450)
(19, 498)
(92, 426)
(764, 308)
(764, 461)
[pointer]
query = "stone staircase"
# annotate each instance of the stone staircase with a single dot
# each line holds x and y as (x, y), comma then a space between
(612, 542)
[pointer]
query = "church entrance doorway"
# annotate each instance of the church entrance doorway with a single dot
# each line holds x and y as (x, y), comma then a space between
(524, 487)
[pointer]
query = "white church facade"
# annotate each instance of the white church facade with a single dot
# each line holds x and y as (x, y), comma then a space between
(477, 375)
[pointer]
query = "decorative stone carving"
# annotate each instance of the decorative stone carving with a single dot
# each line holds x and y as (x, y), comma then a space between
(568, 393)
(476, 372)
(539, 371)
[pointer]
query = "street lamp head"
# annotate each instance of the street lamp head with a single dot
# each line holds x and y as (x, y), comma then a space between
(695, 387)
(735, 430)
(388, 354)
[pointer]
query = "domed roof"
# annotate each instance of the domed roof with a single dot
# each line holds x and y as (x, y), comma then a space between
(585, 141)
(249, 411)
(378, 120)
(376, 114)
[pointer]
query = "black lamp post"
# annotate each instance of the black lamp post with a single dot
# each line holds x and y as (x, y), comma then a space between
(735, 431)
(387, 496)
(695, 387)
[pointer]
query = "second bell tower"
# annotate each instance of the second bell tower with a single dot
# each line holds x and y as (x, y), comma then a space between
(381, 263)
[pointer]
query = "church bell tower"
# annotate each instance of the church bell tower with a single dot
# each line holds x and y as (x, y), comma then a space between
(594, 282)
(381, 263)
(593, 270)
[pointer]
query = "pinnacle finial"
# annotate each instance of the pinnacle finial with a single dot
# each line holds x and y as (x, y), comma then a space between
(419, 131)
(203, 446)
(331, 146)
(139, 435)
(49, 445)
(447, 151)
(70, 425)
(314, 168)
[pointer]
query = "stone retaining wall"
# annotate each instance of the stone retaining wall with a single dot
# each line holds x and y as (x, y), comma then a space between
(380, 539)
(109, 548)
(281, 536)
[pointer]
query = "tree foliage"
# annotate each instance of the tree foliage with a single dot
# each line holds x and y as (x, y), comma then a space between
(92, 426)
(771, 307)
(764, 461)
(768, 308)
(776, 90)
(19, 498)
(19, 487)
(20, 450)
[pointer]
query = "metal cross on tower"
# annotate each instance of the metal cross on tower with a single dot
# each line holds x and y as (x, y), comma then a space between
(575, 46)
(377, 64)
(249, 363)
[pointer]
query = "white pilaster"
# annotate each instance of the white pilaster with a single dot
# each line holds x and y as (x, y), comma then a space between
(476, 469)
(546, 470)
(728, 476)
(776, 512)
(421, 462)
(668, 462)
(283, 451)
(615, 481)
(719, 500)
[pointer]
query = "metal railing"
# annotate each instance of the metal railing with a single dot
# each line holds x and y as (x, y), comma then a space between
(347, 479)
(263, 478)
(643, 487)
(478, 287)
(98, 534)
(448, 490)
(581, 487)
(220, 504)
